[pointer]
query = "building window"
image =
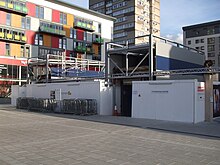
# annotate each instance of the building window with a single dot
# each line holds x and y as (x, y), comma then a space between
(211, 31)
(28, 23)
(202, 47)
(196, 41)
(63, 18)
(197, 48)
(211, 54)
(38, 38)
(202, 40)
(71, 33)
(8, 19)
(39, 12)
(22, 51)
(99, 28)
(74, 33)
(64, 43)
(211, 48)
(23, 20)
(27, 51)
(60, 43)
(189, 42)
(84, 36)
(211, 40)
(7, 49)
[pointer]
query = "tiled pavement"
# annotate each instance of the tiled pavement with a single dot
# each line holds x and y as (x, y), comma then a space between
(34, 138)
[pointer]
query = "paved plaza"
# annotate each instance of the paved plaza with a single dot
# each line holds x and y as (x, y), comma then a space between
(28, 138)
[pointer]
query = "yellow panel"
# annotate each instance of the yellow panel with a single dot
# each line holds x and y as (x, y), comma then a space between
(96, 49)
(15, 50)
(16, 20)
(47, 40)
(70, 20)
(67, 30)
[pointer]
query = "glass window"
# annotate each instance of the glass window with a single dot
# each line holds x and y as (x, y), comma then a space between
(202, 47)
(60, 43)
(23, 20)
(36, 39)
(63, 18)
(64, 43)
(189, 42)
(197, 41)
(39, 12)
(28, 23)
(71, 33)
(74, 33)
(211, 40)
(211, 48)
(8, 19)
(7, 49)
(40, 40)
(22, 51)
(27, 51)
(202, 40)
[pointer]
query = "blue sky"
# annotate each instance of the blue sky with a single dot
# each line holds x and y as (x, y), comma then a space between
(178, 13)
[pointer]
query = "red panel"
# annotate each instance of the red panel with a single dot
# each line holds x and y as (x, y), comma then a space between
(79, 35)
(2, 49)
(56, 16)
(2, 17)
(13, 61)
(55, 42)
(67, 54)
(30, 37)
(31, 9)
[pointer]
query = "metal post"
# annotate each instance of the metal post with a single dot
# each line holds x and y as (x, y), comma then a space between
(107, 61)
(208, 97)
(126, 64)
(19, 72)
(47, 65)
(151, 58)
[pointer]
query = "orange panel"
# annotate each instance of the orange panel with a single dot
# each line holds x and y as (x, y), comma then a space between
(70, 20)
(16, 20)
(67, 30)
(47, 40)
(96, 49)
(15, 50)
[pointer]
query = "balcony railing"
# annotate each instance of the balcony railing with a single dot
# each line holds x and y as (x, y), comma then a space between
(13, 36)
(85, 26)
(98, 41)
(14, 6)
(89, 50)
(52, 30)
(81, 49)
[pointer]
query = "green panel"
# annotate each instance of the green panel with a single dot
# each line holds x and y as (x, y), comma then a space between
(25, 10)
(17, 7)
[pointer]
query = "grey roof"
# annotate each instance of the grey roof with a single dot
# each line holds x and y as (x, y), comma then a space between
(217, 22)
(70, 5)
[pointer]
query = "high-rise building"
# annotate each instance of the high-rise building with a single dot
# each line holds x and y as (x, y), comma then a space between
(30, 28)
(134, 18)
(204, 37)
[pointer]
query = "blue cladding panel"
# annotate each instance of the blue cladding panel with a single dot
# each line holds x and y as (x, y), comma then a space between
(164, 63)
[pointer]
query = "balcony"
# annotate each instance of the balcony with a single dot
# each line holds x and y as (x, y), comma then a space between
(52, 30)
(2, 35)
(14, 7)
(89, 50)
(81, 49)
(98, 41)
(17, 37)
(12, 35)
(9, 36)
(85, 26)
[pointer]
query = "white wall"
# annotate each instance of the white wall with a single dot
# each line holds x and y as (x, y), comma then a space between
(48, 14)
(35, 23)
(168, 100)
(86, 90)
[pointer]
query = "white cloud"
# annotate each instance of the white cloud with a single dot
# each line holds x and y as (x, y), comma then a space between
(177, 38)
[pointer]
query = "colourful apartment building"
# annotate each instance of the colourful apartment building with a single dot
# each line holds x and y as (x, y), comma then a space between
(36, 28)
